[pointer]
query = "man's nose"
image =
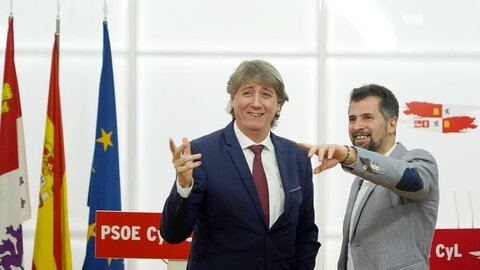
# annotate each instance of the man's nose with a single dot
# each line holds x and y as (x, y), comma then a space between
(358, 125)
(256, 100)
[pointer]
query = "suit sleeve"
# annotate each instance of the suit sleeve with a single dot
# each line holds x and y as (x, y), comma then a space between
(180, 214)
(413, 176)
(306, 241)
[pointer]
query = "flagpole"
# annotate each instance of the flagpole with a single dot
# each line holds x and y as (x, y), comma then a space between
(57, 32)
(11, 8)
(105, 10)
(58, 8)
(57, 28)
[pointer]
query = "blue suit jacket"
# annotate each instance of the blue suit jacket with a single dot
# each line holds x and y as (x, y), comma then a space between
(224, 211)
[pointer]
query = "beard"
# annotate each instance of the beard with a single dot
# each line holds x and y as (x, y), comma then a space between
(372, 145)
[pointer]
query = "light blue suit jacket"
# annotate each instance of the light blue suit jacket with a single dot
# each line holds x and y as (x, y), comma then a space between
(395, 221)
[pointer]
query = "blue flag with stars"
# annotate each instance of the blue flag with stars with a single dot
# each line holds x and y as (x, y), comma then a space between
(104, 192)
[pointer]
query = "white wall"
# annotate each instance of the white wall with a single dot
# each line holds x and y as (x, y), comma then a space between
(424, 51)
(171, 63)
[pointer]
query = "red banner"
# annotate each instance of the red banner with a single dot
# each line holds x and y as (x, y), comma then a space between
(134, 235)
(423, 109)
(455, 249)
(458, 124)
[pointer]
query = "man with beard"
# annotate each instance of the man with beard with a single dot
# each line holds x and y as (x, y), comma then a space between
(393, 203)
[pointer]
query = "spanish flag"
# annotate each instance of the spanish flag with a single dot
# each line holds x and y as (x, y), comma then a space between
(52, 236)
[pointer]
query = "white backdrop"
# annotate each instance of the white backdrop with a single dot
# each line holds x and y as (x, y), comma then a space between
(172, 60)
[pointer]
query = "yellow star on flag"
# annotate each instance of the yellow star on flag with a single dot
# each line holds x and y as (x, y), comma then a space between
(105, 139)
(91, 231)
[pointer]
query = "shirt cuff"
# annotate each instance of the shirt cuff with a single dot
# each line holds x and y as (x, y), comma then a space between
(184, 192)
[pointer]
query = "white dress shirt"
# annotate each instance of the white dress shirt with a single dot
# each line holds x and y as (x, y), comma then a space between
(276, 196)
(269, 160)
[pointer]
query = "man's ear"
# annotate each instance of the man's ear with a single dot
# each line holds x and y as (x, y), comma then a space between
(279, 106)
(392, 124)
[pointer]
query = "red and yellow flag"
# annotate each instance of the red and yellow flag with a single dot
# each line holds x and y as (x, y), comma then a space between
(52, 236)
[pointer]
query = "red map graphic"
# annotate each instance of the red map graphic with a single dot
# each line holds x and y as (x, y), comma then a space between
(430, 115)
(423, 109)
(458, 124)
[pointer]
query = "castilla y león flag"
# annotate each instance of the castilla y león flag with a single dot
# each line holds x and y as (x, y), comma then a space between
(445, 118)
(14, 196)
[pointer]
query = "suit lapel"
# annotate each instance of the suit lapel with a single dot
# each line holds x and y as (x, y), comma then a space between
(362, 203)
(283, 169)
(351, 202)
(238, 159)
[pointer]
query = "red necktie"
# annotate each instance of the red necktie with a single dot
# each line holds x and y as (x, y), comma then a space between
(260, 180)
